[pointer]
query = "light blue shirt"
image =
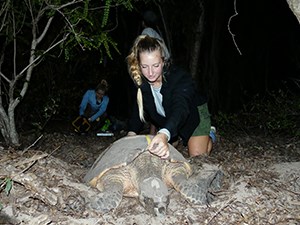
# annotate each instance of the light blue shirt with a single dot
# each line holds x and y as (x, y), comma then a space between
(97, 108)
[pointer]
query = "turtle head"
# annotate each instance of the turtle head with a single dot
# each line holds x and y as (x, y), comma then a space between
(154, 196)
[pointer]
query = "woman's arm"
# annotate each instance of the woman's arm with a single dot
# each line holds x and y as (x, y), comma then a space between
(178, 99)
(102, 109)
(83, 103)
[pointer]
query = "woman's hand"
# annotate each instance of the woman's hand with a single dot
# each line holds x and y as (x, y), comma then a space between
(159, 146)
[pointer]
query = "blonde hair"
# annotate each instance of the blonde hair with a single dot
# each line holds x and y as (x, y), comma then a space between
(142, 43)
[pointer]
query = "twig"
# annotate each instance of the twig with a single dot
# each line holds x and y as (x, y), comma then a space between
(221, 209)
(33, 162)
(43, 53)
(32, 144)
(228, 25)
(2, 184)
(55, 150)
(34, 158)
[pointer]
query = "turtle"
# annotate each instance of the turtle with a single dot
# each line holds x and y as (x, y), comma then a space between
(127, 168)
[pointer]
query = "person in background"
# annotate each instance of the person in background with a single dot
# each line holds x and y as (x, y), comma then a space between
(149, 23)
(94, 104)
(168, 98)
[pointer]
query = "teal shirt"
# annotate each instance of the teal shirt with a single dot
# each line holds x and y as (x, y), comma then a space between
(97, 108)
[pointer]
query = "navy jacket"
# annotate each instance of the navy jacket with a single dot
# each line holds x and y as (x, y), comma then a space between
(180, 101)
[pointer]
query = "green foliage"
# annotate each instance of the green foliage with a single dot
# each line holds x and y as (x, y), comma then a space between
(273, 114)
(6, 185)
(106, 12)
(126, 3)
(108, 3)
(107, 42)
(32, 30)
(89, 33)
(226, 121)
(87, 23)
(49, 109)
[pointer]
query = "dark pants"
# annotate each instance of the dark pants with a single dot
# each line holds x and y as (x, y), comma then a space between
(99, 122)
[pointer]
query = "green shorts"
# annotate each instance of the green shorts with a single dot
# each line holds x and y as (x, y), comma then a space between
(203, 128)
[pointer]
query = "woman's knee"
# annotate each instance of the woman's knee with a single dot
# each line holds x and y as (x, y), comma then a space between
(199, 145)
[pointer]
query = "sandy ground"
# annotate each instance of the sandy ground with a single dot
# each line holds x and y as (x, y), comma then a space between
(261, 184)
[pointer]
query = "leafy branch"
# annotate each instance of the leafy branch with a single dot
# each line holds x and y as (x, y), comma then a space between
(5, 185)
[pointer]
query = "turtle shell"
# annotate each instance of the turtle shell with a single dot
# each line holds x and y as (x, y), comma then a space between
(121, 153)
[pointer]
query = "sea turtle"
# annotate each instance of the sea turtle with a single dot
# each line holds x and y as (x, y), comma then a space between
(127, 168)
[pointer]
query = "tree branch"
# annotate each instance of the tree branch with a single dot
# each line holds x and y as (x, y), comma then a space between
(5, 78)
(4, 10)
(40, 38)
(15, 44)
(37, 58)
(1, 63)
(228, 26)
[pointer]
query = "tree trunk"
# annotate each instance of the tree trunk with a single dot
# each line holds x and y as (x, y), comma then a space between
(8, 127)
(13, 134)
(197, 46)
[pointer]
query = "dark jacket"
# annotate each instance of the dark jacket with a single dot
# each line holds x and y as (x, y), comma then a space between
(180, 101)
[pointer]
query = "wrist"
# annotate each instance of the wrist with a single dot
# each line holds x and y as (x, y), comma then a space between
(165, 132)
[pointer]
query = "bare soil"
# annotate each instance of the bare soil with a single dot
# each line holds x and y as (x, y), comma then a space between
(261, 183)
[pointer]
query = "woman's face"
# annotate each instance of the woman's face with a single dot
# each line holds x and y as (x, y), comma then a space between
(151, 65)
(100, 94)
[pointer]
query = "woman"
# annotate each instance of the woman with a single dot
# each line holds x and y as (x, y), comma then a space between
(167, 97)
(150, 20)
(94, 104)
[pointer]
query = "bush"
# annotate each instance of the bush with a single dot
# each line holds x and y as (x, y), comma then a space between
(276, 113)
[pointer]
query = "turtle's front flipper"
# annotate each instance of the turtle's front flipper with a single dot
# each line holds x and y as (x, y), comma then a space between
(109, 198)
(197, 189)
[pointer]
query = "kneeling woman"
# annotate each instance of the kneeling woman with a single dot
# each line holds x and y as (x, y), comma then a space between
(167, 97)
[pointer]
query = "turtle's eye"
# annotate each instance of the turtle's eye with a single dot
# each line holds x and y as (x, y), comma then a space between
(149, 205)
(148, 201)
(161, 210)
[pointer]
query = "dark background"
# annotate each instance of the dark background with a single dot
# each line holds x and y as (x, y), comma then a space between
(266, 32)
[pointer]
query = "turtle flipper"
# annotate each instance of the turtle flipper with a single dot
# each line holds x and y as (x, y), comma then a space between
(197, 189)
(109, 198)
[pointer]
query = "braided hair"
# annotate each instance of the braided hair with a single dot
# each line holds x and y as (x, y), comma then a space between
(143, 43)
